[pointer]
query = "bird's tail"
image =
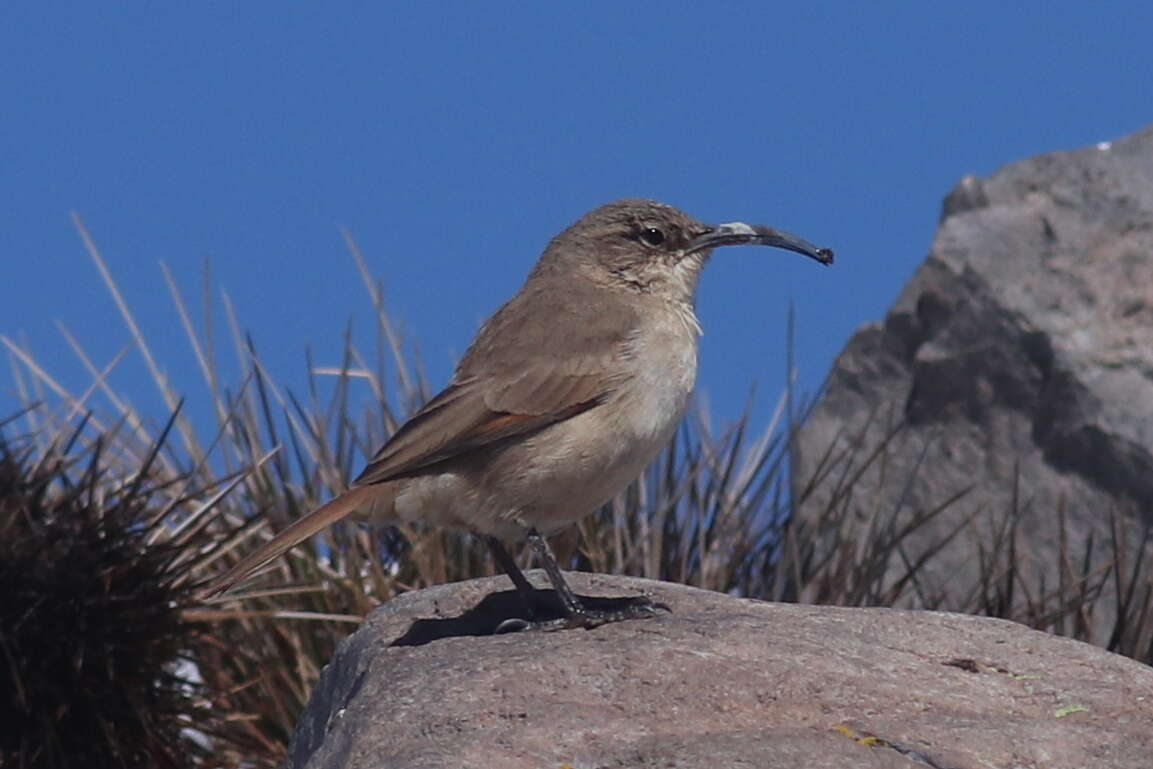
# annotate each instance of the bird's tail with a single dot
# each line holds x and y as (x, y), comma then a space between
(356, 498)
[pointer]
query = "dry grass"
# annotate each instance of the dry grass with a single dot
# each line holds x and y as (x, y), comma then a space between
(713, 511)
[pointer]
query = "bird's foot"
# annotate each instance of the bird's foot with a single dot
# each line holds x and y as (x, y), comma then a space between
(582, 617)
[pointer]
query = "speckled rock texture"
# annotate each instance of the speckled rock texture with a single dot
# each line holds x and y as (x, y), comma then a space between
(719, 682)
(1015, 366)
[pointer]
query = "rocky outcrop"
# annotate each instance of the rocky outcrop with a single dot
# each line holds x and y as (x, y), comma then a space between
(719, 682)
(1015, 369)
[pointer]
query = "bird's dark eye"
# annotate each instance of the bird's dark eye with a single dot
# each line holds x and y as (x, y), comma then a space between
(651, 236)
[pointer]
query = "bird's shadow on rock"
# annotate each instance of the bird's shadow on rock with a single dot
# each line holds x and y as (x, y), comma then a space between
(486, 617)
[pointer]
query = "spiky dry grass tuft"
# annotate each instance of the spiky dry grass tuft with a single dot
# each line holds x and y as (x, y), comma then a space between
(91, 638)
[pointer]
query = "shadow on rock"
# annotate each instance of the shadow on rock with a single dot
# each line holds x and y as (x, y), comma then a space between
(486, 617)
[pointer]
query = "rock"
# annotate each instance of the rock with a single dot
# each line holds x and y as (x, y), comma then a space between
(720, 682)
(1017, 364)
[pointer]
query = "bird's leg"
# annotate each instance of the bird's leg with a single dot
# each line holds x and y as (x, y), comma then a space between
(505, 561)
(576, 613)
(544, 555)
(529, 595)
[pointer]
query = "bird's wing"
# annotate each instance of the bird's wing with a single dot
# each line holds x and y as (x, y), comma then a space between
(473, 412)
(520, 375)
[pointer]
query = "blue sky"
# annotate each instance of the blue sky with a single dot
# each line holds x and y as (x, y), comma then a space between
(453, 139)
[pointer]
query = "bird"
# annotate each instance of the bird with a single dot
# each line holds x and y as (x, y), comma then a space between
(568, 391)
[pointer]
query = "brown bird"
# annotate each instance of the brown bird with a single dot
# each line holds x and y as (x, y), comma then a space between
(567, 393)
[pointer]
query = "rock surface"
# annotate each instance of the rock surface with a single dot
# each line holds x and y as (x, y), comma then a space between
(720, 682)
(1018, 363)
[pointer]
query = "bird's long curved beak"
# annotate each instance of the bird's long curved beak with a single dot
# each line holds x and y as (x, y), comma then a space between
(741, 234)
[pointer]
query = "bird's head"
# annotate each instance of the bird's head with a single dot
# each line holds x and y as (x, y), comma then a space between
(650, 247)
